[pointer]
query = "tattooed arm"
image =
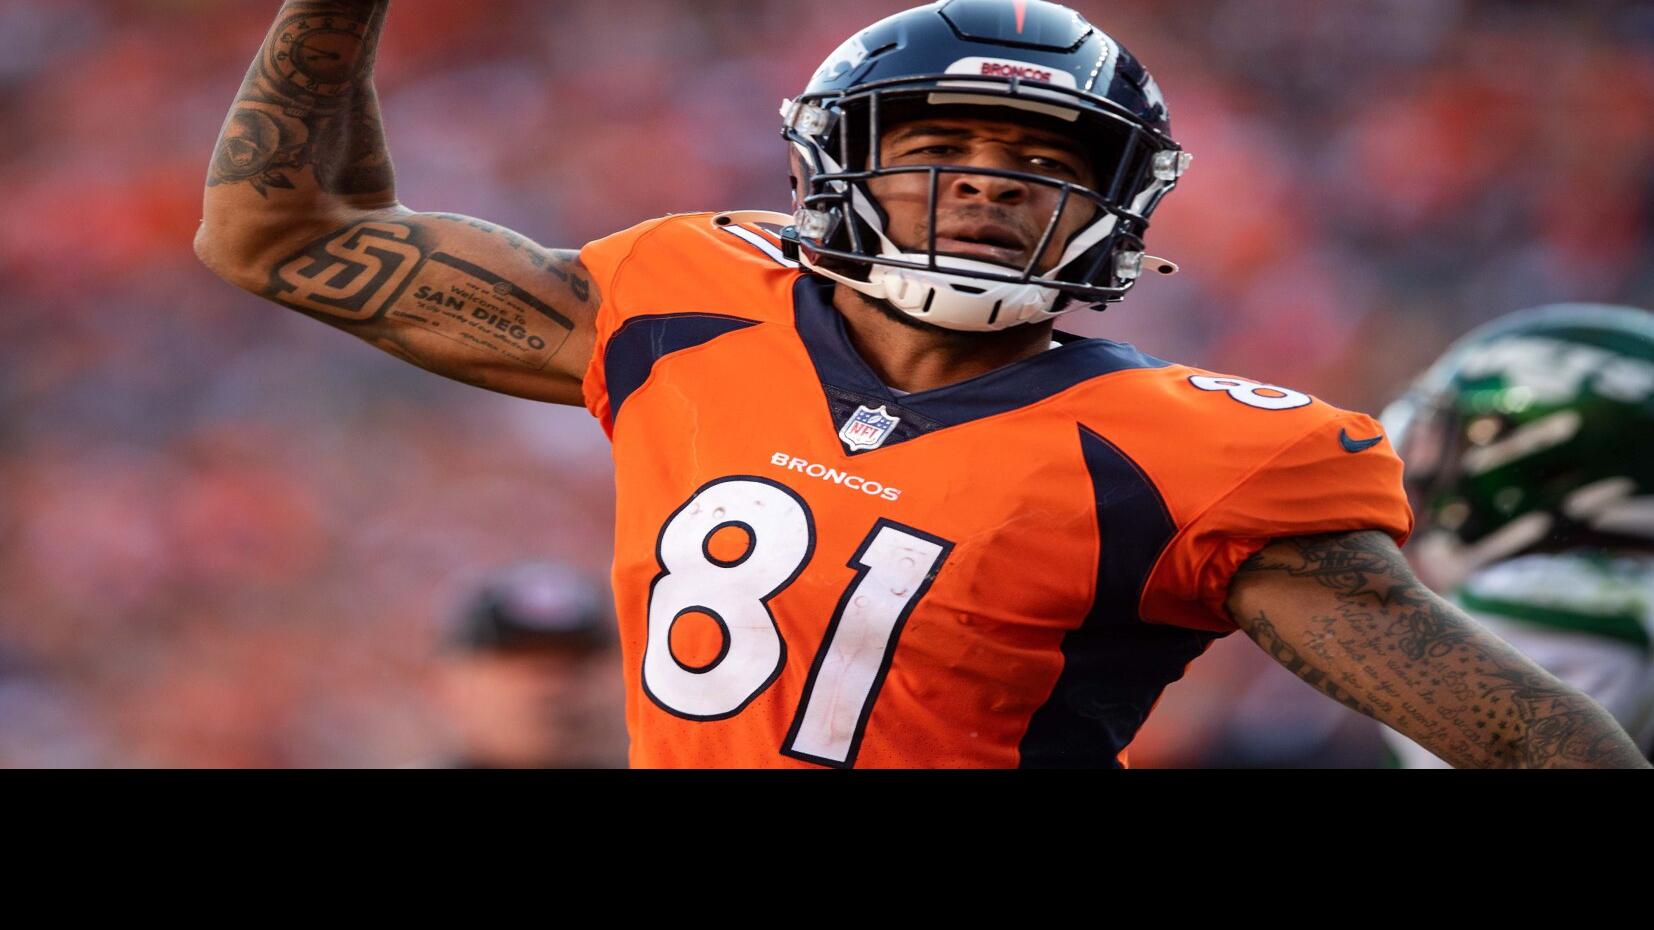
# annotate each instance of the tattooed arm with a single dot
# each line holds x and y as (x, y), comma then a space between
(301, 208)
(1345, 614)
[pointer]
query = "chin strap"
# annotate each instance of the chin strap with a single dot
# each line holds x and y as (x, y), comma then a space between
(947, 300)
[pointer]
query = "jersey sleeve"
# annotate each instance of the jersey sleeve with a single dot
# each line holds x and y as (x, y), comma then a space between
(606, 260)
(1326, 481)
(669, 285)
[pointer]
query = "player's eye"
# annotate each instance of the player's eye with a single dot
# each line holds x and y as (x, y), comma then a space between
(1051, 165)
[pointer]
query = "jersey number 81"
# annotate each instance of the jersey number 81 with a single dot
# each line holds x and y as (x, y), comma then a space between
(894, 566)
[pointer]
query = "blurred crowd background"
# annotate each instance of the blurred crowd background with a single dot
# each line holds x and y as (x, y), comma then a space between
(230, 536)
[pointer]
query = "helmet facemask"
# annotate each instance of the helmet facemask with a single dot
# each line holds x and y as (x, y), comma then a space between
(845, 231)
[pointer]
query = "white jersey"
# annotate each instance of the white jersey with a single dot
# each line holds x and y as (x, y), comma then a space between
(1588, 618)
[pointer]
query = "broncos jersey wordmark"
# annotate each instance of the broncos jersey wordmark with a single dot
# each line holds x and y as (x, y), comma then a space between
(814, 570)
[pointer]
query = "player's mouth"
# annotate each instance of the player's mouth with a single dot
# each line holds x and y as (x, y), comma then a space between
(990, 242)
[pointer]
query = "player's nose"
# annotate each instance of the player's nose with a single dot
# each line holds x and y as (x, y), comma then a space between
(990, 187)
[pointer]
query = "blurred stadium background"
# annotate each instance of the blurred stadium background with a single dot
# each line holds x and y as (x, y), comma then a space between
(230, 536)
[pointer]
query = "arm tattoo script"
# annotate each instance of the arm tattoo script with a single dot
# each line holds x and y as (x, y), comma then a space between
(390, 271)
(539, 258)
(308, 102)
(1387, 646)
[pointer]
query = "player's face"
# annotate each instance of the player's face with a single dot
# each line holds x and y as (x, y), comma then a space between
(985, 217)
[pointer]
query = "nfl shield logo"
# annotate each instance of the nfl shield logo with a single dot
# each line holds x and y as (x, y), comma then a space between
(868, 428)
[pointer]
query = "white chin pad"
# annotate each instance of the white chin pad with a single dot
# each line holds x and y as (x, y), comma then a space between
(955, 302)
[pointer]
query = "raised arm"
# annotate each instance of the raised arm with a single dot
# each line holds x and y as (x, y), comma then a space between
(1345, 614)
(301, 208)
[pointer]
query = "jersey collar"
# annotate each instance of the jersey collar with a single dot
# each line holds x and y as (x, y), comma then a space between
(848, 382)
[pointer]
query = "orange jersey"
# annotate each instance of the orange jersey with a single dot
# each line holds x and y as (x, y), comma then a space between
(814, 570)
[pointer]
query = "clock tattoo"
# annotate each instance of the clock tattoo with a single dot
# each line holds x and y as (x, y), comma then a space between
(255, 148)
(309, 106)
(320, 56)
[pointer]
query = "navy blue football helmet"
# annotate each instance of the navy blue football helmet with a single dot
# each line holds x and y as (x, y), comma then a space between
(1036, 62)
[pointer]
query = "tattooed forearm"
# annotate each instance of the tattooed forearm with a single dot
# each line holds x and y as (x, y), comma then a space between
(1375, 639)
(302, 153)
(307, 115)
(390, 275)
(1281, 651)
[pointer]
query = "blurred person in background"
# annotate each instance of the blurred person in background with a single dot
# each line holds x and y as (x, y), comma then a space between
(933, 312)
(1529, 451)
(529, 677)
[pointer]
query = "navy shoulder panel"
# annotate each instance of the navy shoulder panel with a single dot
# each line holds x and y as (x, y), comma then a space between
(642, 341)
(1115, 664)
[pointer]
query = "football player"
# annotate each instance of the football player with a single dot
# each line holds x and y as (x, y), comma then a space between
(1530, 457)
(872, 509)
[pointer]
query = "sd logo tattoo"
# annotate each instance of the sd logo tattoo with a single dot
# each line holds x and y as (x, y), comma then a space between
(352, 274)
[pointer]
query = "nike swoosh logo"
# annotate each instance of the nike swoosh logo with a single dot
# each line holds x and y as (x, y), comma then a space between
(1358, 445)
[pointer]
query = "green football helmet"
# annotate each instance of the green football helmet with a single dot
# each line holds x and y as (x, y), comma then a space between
(1533, 433)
